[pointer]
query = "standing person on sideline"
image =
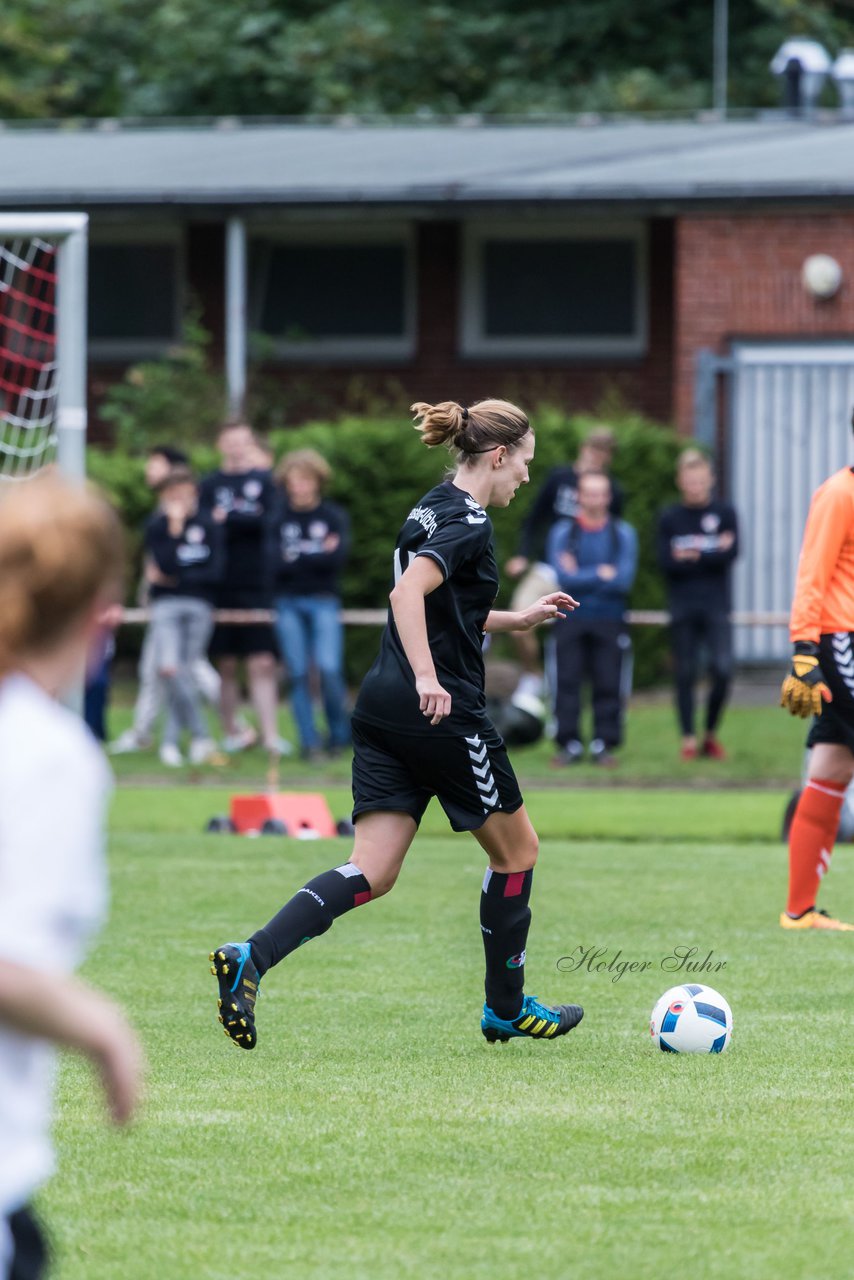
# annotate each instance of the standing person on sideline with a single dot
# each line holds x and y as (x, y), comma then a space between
(160, 460)
(311, 543)
(556, 500)
(241, 497)
(185, 561)
(60, 569)
(420, 730)
(595, 555)
(821, 684)
(697, 544)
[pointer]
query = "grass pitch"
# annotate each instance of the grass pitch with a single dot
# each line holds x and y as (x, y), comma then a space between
(374, 1134)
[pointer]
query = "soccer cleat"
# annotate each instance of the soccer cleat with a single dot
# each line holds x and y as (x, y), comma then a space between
(815, 919)
(238, 980)
(536, 1021)
(712, 749)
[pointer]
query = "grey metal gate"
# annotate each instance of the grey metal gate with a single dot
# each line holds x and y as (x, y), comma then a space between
(781, 415)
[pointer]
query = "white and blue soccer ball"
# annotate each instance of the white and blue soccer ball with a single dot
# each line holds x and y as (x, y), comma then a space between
(691, 1019)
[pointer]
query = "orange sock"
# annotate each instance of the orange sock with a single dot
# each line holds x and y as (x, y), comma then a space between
(811, 840)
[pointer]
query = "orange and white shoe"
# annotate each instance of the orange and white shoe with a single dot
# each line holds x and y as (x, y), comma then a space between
(815, 919)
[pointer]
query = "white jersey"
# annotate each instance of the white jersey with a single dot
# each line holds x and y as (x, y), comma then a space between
(54, 784)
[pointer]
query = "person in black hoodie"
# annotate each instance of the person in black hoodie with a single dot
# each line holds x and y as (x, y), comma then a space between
(184, 563)
(241, 497)
(697, 544)
(311, 542)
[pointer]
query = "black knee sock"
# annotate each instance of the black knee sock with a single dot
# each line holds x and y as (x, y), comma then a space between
(504, 920)
(309, 913)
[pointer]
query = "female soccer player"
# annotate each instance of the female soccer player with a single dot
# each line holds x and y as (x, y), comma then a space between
(60, 566)
(420, 730)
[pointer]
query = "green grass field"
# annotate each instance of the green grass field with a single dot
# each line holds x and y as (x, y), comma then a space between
(374, 1134)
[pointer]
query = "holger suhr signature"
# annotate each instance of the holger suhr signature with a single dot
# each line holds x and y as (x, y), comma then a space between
(682, 959)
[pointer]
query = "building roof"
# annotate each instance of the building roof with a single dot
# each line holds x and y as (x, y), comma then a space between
(234, 164)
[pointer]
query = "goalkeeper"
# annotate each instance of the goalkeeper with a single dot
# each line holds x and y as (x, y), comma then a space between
(821, 684)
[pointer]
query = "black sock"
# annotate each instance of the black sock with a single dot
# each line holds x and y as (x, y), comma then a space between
(504, 920)
(309, 913)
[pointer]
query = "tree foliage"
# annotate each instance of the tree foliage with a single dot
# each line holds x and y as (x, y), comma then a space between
(93, 58)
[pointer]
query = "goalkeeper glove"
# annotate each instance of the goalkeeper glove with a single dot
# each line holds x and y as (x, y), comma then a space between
(804, 687)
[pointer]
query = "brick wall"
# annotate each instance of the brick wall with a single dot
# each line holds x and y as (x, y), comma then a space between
(437, 371)
(739, 276)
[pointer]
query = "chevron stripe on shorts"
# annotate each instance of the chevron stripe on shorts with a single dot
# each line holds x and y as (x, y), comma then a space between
(482, 770)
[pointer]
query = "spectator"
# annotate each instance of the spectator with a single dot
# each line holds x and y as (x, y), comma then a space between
(556, 500)
(184, 564)
(312, 536)
(241, 498)
(594, 556)
(149, 699)
(697, 544)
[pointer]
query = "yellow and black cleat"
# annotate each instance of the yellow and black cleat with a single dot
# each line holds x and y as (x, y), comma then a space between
(535, 1021)
(238, 980)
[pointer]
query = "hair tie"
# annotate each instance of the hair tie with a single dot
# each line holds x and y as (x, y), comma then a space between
(465, 414)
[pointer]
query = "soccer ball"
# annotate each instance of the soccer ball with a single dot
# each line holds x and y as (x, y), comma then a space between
(691, 1019)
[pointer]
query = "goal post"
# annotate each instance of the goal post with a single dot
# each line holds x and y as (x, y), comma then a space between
(43, 259)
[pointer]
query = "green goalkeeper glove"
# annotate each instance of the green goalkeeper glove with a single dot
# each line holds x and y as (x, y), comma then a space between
(804, 688)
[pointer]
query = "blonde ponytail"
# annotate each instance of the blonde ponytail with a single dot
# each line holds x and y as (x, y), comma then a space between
(473, 430)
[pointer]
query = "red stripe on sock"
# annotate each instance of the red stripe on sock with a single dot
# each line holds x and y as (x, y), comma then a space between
(515, 884)
(361, 897)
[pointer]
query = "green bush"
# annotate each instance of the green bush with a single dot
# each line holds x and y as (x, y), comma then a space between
(380, 469)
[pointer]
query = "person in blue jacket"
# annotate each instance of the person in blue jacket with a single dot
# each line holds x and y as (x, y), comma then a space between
(595, 558)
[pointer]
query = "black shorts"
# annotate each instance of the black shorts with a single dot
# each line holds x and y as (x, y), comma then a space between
(29, 1248)
(401, 772)
(836, 722)
(242, 640)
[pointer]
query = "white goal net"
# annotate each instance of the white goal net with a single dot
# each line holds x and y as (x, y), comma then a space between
(42, 343)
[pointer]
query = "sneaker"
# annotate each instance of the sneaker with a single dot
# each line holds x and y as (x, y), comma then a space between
(171, 756)
(240, 741)
(238, 980)
(572, 753)
(712, 749)
(688, 753)
(127, 742)
(814, 919)
(536, 1021)
(201, 750)
(280, 747)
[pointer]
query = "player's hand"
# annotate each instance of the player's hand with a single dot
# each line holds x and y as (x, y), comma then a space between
(804, 688)
(557, 604)
(434, 701)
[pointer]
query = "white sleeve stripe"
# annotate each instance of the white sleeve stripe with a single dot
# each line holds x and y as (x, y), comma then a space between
(434, 555)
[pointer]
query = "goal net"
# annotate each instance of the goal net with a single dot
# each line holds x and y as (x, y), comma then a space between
(42, 343)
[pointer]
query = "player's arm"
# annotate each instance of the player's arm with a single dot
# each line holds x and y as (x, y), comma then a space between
(68, 1013)
(804, 688)
(407, 598)
(557, 604)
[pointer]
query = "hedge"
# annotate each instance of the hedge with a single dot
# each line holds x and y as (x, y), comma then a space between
(380, 468)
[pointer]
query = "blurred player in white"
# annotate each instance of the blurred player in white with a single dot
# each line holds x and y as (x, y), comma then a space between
(60, 568)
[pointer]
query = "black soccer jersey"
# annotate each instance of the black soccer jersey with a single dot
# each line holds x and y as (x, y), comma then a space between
(248, 500)
(451, 528)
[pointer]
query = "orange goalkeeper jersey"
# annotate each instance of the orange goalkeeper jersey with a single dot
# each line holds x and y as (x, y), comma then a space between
(824, 591)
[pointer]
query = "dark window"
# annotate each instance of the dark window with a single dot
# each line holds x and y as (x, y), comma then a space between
(133, 291)
(559, 288)
(308, 291)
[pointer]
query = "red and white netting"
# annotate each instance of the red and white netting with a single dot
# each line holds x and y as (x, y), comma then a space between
(28, 364)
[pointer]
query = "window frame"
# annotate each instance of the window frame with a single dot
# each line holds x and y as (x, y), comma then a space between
(130, 350)
(331, 350)
(475, 342)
